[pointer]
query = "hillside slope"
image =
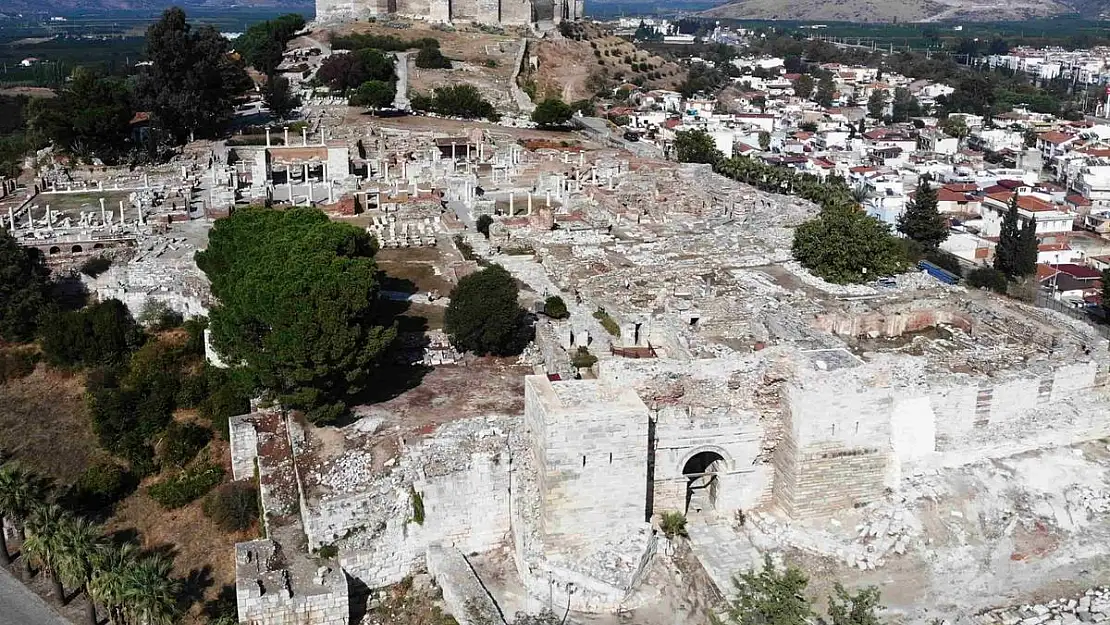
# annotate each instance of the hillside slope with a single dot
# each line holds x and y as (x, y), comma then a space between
(889, 11)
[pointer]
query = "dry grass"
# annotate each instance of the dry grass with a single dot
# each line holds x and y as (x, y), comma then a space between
(203, 554)
(44, 425)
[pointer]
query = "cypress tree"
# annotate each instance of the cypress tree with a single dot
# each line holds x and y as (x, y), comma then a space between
(1027, 248)
(1007, 252)
(921, 221)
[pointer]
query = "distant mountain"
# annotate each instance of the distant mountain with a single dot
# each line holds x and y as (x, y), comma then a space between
(75, 6)
(905, 10)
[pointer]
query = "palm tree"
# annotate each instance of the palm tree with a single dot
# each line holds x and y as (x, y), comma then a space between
(21, 491)
(150, 591)
(81, 557)
(46, 544)
(109, 580)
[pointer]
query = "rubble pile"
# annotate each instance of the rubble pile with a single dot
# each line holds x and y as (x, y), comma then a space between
(1093, 606)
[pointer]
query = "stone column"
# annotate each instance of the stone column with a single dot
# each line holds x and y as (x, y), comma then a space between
(309, 202)
(122, 219)
(547, 197)
(529, 204)
(453, 152)
(267, 136)
(103, 213)
(49, 222)
(139, 214)
(11, 217)
(511, 204)
(286, 142)
(582, 159)
(304, 137)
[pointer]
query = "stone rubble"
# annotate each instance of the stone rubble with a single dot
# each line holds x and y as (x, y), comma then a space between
(1093, 606)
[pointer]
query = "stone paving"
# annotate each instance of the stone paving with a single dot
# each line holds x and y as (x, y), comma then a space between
(1093, 606)
(722, 551)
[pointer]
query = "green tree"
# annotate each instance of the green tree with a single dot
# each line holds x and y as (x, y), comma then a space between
(150, 591)
(853, 609)
(45, 544)
(552, 113)
(1105, 291)
(263, 44)
(770, 597)
(1028, 246)
(341, 72)
(1007, 254)
(803, 87)
(90, 117)
(921, 221)
(826, 91)
(904, 106)
(21, 493)
(695, 146)
(81, 551)
(845, 245)
(103, 333)
(23, 288)
(193, 81)
(876, 103)
(430, 57)
(109, 580)
(764, 140)
(376, 94)
(484, 222)
(556, 308)
(954, 126)
(484, 315)
(298, 305)
(988, 277)
(278, 97)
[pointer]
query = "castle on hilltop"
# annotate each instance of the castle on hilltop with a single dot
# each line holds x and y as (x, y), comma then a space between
(500, 12)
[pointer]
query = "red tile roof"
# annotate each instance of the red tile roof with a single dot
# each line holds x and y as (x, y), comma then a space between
(1055, 137)
(1078, 271)
(1076, 199)
(1025, 202)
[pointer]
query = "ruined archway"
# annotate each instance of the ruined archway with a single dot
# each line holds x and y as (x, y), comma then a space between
(55, 250)
(701, 471)
(76, 249)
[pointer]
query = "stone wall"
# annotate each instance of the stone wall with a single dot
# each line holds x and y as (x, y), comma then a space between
(244, 447)
(466, 598)
(465, 494)
(590, 443)
(851, 433)
(266, 595)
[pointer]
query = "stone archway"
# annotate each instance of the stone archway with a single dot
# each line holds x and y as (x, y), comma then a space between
(701, 471)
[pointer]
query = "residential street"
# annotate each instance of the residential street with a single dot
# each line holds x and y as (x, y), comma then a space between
(20, 606)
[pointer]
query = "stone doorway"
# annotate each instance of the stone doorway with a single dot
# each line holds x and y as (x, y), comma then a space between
(701, 472)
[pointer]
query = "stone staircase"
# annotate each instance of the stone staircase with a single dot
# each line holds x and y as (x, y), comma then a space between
(721, 550)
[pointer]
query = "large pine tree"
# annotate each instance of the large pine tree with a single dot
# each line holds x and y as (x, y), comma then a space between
(1007, 253)
(921, 221)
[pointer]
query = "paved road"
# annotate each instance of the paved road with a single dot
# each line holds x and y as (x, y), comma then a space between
(19, 606)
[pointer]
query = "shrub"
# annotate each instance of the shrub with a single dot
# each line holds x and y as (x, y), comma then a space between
(233, 506)
(103, 333)
(182, 442)
(607, 322)
(555, 308)
(95, 266)
(432, 58)
(157, 315)
(583, 359)
(195, 328)
(484, 222)
(374, 94)
(327, 551)
(988, 277)
(187, 486)
(673, 524)
(102, 485)
(465, 248)
(417, 506)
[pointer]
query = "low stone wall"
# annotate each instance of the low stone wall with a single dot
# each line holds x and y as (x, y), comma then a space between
(466, 598)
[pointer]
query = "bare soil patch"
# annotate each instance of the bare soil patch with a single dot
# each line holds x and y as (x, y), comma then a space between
(44, 425)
